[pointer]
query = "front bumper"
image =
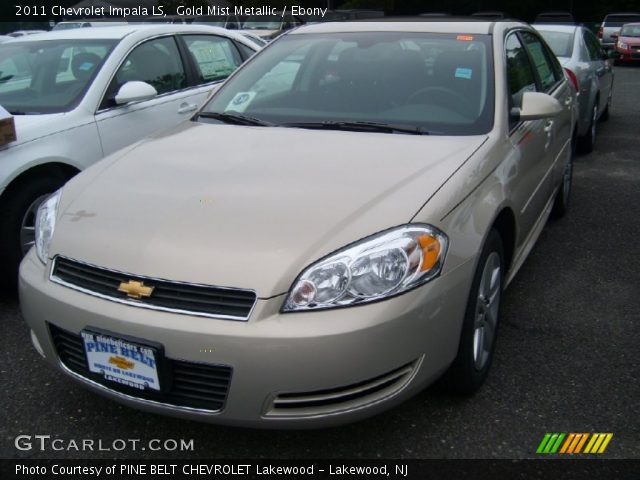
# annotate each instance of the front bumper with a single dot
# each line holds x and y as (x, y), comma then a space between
(628, 55)
(301, 370)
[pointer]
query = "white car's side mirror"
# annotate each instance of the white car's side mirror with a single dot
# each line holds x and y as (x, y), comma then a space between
(537, 105)
(135, 91)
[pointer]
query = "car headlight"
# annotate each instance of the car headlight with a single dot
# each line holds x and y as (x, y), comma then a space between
(46, 224)
(622, 46)
(380, 266)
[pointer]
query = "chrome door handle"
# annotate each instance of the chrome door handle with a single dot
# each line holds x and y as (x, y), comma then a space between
(568, 101)
(548, 126)
(187, 107)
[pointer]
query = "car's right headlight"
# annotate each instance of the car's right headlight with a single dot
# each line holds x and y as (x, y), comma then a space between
(622, 46)
(46, 224)
(377, 267)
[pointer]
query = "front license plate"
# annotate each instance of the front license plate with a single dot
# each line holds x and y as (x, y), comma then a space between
(121, 361)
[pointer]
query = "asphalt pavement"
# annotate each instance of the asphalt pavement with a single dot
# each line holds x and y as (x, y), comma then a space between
(566, 359)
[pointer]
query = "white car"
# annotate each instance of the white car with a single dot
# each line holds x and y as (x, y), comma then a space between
(79, 95)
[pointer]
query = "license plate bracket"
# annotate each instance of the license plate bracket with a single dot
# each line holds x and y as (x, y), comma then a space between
(123, 360)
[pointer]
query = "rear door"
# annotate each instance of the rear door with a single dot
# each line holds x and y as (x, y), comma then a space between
(600, 68)
(557, 130)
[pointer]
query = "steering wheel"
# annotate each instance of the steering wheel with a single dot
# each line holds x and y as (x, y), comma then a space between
(443, 96)
(435, 90)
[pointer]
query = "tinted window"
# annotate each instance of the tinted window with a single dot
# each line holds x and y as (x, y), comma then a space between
(630, 31)
(541, 61)
(215, 57)
(520, 78)
(442, 83)
(620, 20)
(560, 42)
(156, 62)
(593, 46)
(49, 76)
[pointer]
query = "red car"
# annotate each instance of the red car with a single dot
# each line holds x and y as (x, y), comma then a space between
(628, 43)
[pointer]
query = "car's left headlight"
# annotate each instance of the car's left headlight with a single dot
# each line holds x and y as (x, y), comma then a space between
(380, 266)
(622, 46)
(46, 224)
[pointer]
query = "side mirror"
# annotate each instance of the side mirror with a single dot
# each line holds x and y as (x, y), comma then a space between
(537, 105)
(135, 91)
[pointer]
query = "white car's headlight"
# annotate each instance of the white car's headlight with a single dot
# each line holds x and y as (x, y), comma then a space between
(46, 224)
(376, 267)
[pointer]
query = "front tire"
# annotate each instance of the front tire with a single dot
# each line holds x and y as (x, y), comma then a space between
(17, 223)
(478, 338)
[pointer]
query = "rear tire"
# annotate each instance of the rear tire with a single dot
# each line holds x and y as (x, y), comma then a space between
(17, 219)
(588, 141)
(478, 338)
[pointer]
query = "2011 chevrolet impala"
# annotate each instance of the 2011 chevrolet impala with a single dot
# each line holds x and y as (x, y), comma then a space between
(331, 233)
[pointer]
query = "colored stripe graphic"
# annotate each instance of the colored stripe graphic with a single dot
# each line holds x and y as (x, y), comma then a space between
(573, 443)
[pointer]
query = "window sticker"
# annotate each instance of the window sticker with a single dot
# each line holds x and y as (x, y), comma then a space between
(86, 66)
(240, 102)
(465, 73)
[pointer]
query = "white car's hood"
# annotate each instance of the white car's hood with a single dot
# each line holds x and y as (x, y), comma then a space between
(248, 206)
(32, 127)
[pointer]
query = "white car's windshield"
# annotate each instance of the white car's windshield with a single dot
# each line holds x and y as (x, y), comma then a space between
(435, 83)
(265, 22)
(49, 76)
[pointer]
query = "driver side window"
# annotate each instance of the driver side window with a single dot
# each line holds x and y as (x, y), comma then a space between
(520, 77)
(156, 62)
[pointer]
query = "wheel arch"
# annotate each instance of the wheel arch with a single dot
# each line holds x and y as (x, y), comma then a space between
(63, 171)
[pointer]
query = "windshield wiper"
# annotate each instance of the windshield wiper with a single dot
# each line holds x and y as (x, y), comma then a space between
(234, 118)
(360, 127)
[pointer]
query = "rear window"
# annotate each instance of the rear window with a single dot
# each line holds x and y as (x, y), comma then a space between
(619, 20)
(560, 42)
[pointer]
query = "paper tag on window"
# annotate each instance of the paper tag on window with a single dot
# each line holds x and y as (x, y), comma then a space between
(240, 102)
(465, 73)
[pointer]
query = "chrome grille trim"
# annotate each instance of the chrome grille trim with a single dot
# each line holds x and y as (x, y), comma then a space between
(142, 304)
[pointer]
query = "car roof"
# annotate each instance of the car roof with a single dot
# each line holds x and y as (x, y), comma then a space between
(554, 27)
(412, 24)
(121, 31)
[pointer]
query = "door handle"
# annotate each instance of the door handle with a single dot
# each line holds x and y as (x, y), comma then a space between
(187, 107)
(568, 100)
(548, 126)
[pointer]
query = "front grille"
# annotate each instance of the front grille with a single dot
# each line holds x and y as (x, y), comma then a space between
(203, 300)
(342, 398)
(192, 385)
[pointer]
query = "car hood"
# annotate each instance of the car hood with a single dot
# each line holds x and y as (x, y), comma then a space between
(32, 127)
(635, 41)
(248, 207)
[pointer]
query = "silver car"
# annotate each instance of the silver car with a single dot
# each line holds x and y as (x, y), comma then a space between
(590, 70)
(330, 234)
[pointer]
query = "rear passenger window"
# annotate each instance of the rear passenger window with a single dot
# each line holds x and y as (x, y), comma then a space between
(520, 77)
(215, 57)
(542, 61)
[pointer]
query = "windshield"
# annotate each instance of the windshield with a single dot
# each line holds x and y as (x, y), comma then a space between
(436, 83)
(48, 76)
(630, 31)
(261, 22)
(560, 42)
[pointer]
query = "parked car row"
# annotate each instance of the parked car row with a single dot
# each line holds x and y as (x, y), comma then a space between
(331, 231)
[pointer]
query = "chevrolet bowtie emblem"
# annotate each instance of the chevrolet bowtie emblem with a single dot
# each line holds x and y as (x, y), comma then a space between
(135, 289)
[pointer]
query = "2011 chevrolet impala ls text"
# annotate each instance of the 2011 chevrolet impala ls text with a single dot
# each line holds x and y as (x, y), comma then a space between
(331, 232)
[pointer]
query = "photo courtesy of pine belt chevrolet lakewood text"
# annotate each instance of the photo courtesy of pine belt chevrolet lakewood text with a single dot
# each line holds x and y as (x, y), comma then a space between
(328, 235)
